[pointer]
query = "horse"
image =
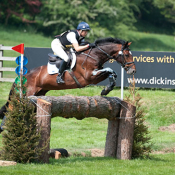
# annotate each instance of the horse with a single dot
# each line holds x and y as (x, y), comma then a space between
(87, 70)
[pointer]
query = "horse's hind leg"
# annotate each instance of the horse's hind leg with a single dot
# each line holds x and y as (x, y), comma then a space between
(3, 110)
(36, 91)
(41, 93)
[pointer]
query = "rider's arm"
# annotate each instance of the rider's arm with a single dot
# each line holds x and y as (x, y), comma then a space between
(71, 38)
(80, 48)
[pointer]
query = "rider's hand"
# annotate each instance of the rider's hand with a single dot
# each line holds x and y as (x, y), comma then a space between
(92, 45)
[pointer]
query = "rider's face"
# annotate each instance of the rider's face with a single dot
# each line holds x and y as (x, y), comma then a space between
(84, 33)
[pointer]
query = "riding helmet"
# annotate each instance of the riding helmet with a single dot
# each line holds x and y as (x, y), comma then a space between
(83, 26)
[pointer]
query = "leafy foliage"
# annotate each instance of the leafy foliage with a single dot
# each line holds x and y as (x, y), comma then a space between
(106, 18)
(141, 145)
(20, 135)
(17, 9)
(167, 8)
(158, 14)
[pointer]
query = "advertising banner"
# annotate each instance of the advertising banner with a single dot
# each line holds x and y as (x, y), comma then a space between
(154, 69)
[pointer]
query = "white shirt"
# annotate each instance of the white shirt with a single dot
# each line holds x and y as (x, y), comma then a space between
(71, 37)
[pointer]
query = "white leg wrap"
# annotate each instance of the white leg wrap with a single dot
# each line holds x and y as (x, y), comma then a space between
(107, 69)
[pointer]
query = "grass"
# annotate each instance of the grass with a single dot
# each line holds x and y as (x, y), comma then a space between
(142, 41)
(80, 135)
(159, 165)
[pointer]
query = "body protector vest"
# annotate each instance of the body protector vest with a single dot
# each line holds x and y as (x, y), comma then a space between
(65, 42)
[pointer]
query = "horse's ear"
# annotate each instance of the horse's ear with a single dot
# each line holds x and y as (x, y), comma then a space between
(129, 43)
(125, 45)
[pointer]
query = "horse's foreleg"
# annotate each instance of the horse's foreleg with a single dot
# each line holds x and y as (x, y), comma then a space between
(106, 72)
(109, 87)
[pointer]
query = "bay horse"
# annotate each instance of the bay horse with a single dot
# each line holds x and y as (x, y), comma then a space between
(87, 70)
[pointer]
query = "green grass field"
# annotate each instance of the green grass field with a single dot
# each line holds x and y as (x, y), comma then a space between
(79, 136)
(158, 165)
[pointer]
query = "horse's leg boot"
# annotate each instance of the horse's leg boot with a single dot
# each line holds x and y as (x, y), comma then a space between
(61, 70)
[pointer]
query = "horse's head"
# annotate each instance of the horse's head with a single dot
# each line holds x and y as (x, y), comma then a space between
(125, 58)
(118, 50)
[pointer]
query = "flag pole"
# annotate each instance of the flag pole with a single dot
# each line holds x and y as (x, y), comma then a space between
(20, 48)
(21, 72)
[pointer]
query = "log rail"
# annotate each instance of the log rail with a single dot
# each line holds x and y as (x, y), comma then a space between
(120, 115)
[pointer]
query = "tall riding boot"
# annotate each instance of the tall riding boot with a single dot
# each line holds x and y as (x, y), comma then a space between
(61, 70)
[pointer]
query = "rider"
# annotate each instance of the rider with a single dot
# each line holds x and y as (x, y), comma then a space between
(66, 42)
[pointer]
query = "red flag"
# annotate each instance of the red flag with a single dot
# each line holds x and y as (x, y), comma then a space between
(19, 48)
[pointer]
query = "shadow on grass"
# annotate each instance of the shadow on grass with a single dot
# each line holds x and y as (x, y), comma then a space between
(153, 158)
(78, 159)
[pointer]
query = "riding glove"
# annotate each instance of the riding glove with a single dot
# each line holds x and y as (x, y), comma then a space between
(92, 45)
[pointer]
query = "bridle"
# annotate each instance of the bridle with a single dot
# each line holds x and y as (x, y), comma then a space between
(120, 53)
(124, 63)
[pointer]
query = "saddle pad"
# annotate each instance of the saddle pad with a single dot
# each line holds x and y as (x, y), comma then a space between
(52, 69)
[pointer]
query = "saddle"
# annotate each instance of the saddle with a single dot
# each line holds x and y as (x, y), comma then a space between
(54, 65)
(55, 60)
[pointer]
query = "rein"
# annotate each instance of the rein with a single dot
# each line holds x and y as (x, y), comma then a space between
(88, 55)
(123, 64)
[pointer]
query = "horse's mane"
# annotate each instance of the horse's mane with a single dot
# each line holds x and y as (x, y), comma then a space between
(109, 40)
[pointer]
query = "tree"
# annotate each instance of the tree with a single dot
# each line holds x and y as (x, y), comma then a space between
(20, 136)
(142, 140)
(106, 18)
(23, 10)
(155, 15)
(167, 8)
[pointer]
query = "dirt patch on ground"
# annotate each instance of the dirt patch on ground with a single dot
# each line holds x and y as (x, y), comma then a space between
(97, 153)
(164, 151)
(7, 163)
(170, 128)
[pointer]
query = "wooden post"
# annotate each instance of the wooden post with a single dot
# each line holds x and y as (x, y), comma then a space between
(44, 126)
(1, 62)
(111, 139)
(126, 131)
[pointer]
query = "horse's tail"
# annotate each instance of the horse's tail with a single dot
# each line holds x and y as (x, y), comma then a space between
(3, 110)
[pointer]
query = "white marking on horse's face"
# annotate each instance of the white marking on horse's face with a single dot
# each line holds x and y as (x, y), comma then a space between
(120, 52)
(130, 52)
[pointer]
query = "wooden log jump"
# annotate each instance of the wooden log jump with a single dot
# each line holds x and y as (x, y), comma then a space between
(119, 138)
(82, 107)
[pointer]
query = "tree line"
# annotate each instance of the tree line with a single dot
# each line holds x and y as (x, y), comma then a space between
(106, 17)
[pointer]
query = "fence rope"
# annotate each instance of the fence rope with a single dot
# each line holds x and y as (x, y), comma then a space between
(133, 115)
(48, 115)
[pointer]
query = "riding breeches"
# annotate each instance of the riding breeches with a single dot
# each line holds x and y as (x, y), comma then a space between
(58, 49)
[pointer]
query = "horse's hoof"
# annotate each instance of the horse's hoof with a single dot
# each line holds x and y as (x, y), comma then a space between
(103, 92)
(107, 89)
